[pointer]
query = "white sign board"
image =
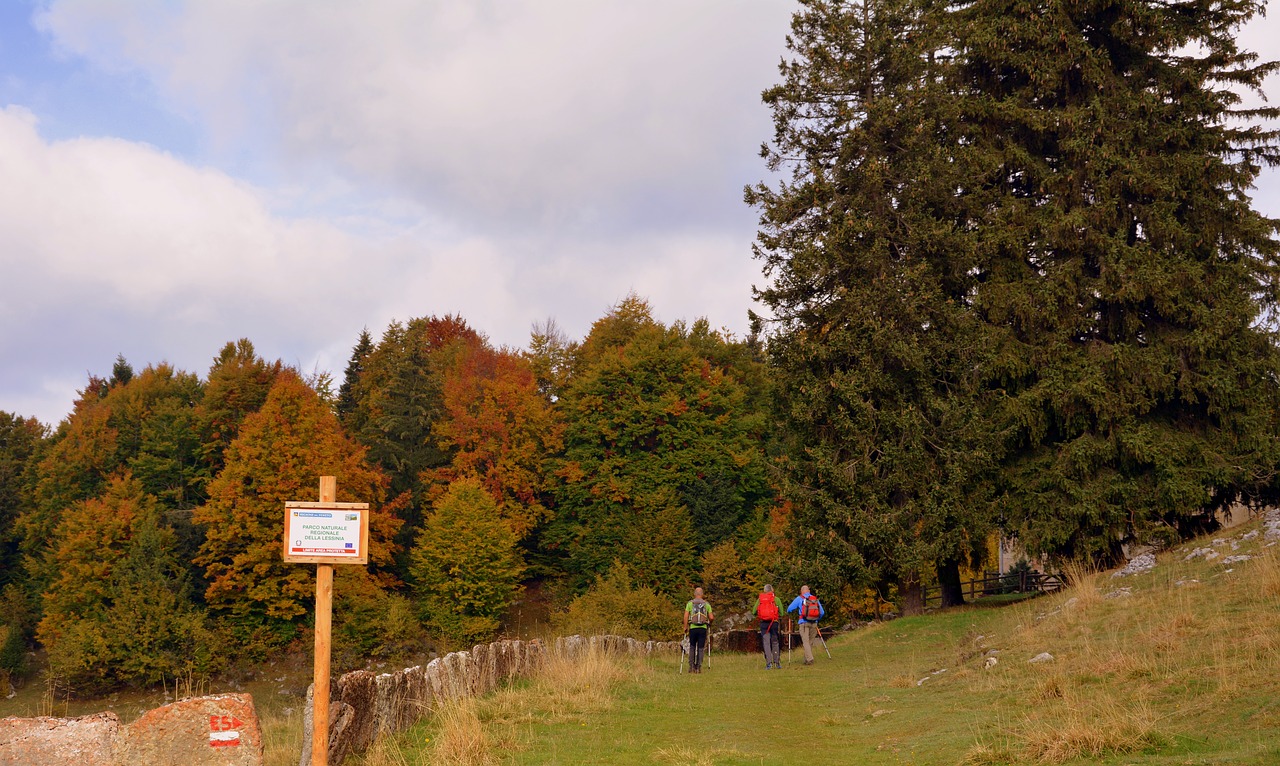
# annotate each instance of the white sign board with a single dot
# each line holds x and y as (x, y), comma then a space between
(326, 533)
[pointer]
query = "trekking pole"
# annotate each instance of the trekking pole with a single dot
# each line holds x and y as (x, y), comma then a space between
(823, 640)
(682, 652)
(708, 648)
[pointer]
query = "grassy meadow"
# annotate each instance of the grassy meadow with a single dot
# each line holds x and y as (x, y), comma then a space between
(1178, 665)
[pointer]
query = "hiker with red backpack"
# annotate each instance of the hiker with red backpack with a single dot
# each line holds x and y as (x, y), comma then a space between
(810, 609)
(767, 612)
(697, 624)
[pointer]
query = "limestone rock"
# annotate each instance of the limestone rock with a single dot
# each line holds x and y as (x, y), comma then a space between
(86, 741)
(218, 729)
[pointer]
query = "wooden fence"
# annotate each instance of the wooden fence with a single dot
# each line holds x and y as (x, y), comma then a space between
(993, 584)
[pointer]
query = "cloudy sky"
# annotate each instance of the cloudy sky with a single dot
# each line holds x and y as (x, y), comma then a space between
(177, 174)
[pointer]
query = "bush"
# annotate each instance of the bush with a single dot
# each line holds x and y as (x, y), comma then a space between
(614, 605)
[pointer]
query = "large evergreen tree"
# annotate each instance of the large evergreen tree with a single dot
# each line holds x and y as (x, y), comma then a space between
(878, 353)
(1015, 276)
(1132, 285)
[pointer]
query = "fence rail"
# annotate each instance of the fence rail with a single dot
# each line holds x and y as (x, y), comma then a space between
(996, 584)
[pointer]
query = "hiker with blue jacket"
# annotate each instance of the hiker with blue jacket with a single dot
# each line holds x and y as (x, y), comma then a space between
(810, 609)
(697, 623)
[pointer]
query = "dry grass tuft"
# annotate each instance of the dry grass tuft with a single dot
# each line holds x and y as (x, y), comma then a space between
(1090, 731)
(684, 756)
(1265, 571)
(1051, 688)
(1083, 585)
(461, 737)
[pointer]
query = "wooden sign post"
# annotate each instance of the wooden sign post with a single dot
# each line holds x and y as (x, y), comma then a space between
(325, 533)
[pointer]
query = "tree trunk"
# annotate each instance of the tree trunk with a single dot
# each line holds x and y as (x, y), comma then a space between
(949, 580)
(911, 595)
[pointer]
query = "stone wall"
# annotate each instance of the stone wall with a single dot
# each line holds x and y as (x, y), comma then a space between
(388, 703)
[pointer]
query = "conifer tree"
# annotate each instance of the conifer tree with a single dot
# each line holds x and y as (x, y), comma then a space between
(872, 338)
(1015, 276)
(1131, 283)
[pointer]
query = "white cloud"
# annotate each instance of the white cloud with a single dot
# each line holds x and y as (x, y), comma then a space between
(568, 113)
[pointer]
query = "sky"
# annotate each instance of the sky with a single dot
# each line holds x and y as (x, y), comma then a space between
(179, 174)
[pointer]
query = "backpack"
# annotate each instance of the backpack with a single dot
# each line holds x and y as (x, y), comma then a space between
(809, 609)
(697, 613)
(768, 609)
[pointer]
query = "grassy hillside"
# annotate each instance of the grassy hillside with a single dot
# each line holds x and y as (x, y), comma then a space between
(1178, 665)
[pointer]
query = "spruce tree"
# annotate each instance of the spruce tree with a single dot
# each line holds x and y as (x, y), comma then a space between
(872, 336)
(1015, 277)
(1130, 283)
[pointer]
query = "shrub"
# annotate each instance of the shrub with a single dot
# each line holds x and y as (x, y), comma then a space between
(615, 605)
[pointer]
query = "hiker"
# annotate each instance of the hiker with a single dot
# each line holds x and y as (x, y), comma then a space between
(810, 609)
(697, 623)
(767, 612)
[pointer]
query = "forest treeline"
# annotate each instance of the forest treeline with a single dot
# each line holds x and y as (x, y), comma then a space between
(1014, 286)
(145, 531)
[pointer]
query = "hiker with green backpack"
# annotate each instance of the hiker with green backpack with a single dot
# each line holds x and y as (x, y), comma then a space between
(767, 612)
(810, 609)
(697, 624)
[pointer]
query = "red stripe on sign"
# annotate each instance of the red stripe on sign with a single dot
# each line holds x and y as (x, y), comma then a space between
(231, 743)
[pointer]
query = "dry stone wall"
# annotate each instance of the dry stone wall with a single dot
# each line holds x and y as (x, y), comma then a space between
(389, 703)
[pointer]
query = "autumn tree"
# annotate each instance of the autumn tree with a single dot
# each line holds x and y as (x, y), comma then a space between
(466, 565)
(140, 422)
(499, 429)
(279, 455)
(119, 609)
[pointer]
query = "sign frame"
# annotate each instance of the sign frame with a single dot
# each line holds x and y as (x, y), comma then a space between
(360, 557)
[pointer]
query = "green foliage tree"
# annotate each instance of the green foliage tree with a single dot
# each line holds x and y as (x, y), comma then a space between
(119, 610)
(279, 455)
(616, 605)
(21, 440)
(466, 565)
(662, 457)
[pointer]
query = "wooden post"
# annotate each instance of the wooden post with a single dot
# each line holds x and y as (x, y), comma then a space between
(324, 634)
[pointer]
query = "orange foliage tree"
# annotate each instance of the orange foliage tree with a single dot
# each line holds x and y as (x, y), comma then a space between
(279, 455)
(500, 430)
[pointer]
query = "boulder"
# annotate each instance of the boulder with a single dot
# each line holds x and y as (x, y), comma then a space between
(86, 741)
(218, 729)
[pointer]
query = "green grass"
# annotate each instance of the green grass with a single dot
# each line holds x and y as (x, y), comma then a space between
(1172, 674)
(1185, 674)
